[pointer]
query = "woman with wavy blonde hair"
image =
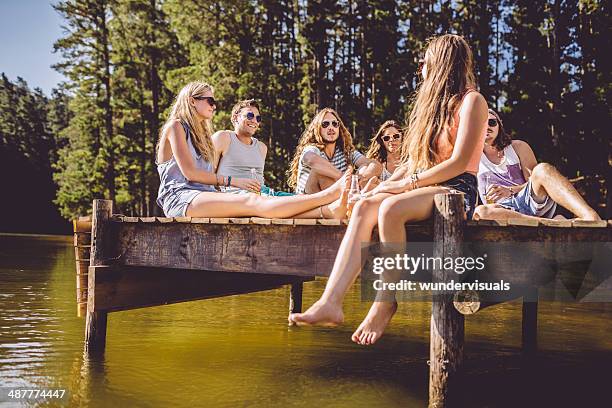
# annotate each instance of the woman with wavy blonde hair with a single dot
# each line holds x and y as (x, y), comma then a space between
(324, 153)
(385, 147)
(185, 157)
(443, 142)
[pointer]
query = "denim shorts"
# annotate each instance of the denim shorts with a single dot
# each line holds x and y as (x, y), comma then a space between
(467, 184)
(524, 202)
(176, 203)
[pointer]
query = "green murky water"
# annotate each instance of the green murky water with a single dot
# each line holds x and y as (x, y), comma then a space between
(238, 351)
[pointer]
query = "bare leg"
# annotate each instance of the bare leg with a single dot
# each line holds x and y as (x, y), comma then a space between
(317, 182)
(497, 212)
(328, 309)
(546, 180)
(245, 205)
(373, 169)
(336, 210)
(394, 213)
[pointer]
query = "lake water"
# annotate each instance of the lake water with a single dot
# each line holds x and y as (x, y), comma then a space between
(238, 350)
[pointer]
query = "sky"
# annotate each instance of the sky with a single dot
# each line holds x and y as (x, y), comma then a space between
(28, 29)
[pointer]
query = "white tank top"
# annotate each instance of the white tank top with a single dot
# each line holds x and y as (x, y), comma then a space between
(507, 173)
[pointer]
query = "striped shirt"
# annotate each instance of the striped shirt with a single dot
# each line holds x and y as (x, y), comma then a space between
(339, 161)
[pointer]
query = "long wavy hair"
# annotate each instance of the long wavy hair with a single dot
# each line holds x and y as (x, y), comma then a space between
(450, 74)
(377, 150)
(503, 139)
(312, 137)
(182, 110)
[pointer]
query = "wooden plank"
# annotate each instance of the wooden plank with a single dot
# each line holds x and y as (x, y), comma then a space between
(81, 238)
(261, 221)
(321, 221)
(81, 226)
(282, 221)
(130, 219)
(556, 223)
(84, 218)
(165, 220)
(305, 221)
(148, 219)
(489, 223)
(200, 220)
(184, 220)
(219, 220)
(523, 222)
(125, 288)
(589, 224)
(240, 220)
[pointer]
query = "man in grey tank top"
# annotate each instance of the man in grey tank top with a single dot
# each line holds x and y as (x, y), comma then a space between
(239, 154)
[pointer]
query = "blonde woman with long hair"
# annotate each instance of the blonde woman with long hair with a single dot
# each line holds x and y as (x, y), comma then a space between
(185, 154)
(444, 141)
(325, 151)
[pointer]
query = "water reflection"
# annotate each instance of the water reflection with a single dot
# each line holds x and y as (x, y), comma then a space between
(238, 350)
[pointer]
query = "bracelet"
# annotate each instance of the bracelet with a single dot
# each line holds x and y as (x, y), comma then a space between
(229, 181)
(414, 181)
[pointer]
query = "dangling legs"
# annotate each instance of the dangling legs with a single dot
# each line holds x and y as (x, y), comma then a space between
(328, 309)
(394, 213)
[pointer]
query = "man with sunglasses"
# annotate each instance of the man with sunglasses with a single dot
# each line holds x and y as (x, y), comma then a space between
(512, 184)
(238, 152)
(323, 158)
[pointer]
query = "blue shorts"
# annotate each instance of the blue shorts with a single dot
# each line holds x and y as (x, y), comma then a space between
(525, 202)
(465, 183)
(176, 203)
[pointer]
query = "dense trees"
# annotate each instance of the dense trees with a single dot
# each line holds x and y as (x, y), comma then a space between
(541, 63)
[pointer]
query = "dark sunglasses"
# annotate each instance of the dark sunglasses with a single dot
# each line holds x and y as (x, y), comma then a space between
(326, 124)
(492, 122)
(251, 116)
(211, 101)
(395, 136)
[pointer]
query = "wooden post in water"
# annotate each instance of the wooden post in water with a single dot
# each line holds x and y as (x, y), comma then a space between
(82, 250)
(295, 299)
(530, 322)
(95, 325)
(447, 325)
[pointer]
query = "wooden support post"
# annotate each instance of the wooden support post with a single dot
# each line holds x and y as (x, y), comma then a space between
(530, 322)
(295, 299)
(82, 250)
(447, 325)
(95, 325)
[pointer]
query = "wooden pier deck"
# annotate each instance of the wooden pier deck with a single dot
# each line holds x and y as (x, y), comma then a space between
(140, 262)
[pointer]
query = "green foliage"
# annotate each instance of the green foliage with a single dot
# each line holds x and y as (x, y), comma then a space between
(541, 63)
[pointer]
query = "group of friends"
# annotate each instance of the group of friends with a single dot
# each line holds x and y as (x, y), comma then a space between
(452, 142)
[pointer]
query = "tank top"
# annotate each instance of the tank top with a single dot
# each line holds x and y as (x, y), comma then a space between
(445, 145)
(240, 158)
(508, 173)
(172, 179)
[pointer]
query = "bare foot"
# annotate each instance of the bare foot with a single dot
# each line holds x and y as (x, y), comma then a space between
(338, 208)
(343, 183)
(559, 217)
(590, 216)
(375, 323)
(319, 314)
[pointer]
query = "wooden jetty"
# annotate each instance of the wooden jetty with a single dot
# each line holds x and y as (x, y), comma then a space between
(139, 262)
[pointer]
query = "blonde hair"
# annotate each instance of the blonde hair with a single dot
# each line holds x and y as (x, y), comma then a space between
(377, 150)
(449, 76)
(201, 130)
(312, 137)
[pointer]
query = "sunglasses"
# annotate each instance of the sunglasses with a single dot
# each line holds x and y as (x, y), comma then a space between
(325, 124)
(251, 116)
(211, 101)
(492, 122)
(395, 136)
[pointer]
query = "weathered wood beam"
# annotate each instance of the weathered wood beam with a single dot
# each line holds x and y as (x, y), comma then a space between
(129, 287)
(447, 325)
(95, 325)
